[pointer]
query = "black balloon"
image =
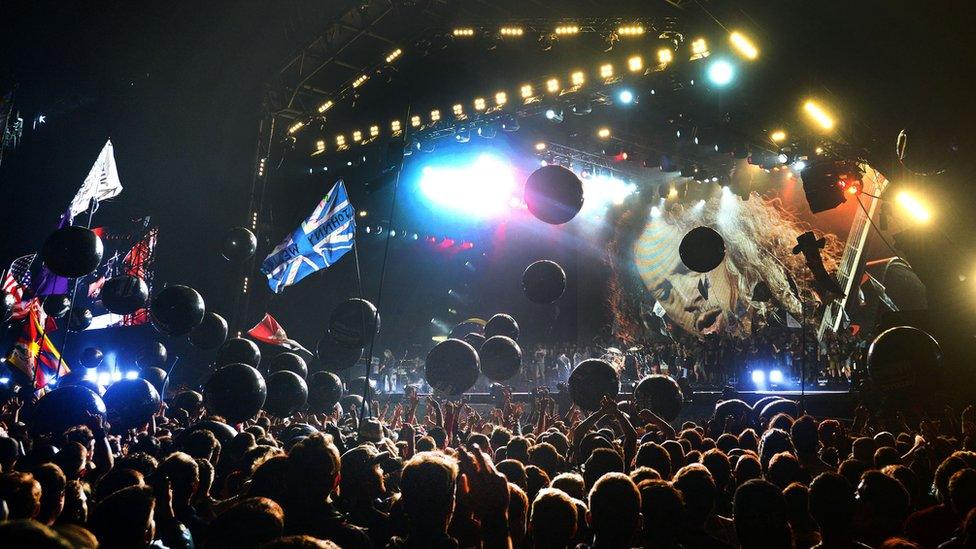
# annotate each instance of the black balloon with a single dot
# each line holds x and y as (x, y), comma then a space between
(354, 322)
(238, 350)
(782, 406)
(501, 358)
(131, 403)
(543, 282)
(905, 361)
(176, 310)
(554, 194)
(287, 393)
(469, 326)
(239, 244)
(758, 406)
(702, 249)
(56, 305)
(7, 302)
(592, 380)
(452, 367)
(335, 357)
(289, 362)
(503, 325)
(79, 319)
(63, 408)
(734, 408)
(211, 333)
(124, 294)
(659, 394)
(235, 392)
(91, 357)
(191, 401)
(152, 355)
(324, 391)
(155, 376)
(351, 402)
(72, 252)
(356, 386)
(296, 430)
(224, 433)
(474, 339)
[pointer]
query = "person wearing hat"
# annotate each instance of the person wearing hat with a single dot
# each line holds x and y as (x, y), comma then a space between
(362, 491)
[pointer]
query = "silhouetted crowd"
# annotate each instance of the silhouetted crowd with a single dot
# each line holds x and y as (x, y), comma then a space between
(517, 475)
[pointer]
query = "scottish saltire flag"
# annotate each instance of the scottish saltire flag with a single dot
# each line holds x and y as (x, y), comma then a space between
(321, 240)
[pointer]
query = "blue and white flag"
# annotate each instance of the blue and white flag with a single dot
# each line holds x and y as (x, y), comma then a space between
(319, 242)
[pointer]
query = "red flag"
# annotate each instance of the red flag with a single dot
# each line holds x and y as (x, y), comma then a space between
(34, 354)
(269, 331)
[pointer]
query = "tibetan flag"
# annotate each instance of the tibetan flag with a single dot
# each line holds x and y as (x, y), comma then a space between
(269, 331)
(319, 242)
(34, 354)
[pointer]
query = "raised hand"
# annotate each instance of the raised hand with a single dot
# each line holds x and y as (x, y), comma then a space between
(484, 489)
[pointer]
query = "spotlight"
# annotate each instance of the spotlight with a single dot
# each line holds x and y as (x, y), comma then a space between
(665, 56)
(577, 78)
(625, 97)
(915, 208)
(775, 376)
(540, 146)
(630, 30)
(477, 189)
(819, 115)
(606, 71)
(758, 377)
(526, 91)
(721, 72)
(603, 133)
(552, 85)
(699, 49)
(501, 98)
(363, 213)
(132, 374)
(635, 63)
(799, 165)
(567, 29)
(479, 104)
(777, 136)
(556, 115)
(743, 45)
(415, 236)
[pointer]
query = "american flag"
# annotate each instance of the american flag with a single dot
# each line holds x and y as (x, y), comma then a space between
(17, 282)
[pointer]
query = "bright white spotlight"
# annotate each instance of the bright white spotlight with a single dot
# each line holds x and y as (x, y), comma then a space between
(104, 378)
(625, 97)
(393, 233)
(782, 158)
(758, 377)
(4, 380)
(132, 374)
(721, 72)
(915, 207)
(655, 212)
(601, 191)
(775, 376)
(479, 189)
(116, 376)
(91, 375)
(799, 165)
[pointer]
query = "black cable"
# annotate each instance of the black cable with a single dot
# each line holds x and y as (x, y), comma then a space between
(871, 221)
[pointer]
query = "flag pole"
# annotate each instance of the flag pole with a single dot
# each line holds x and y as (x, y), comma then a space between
(93, 205)
(386, 253)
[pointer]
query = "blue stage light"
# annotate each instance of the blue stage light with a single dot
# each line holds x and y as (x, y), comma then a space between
(775, 376)
(132, 374)
(625, 97)
(758, 377)
(721, 72)
(479, 189)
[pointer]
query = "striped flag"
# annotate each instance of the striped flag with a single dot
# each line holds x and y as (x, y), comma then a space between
(17, 283)
(319, 242)
(34, 354)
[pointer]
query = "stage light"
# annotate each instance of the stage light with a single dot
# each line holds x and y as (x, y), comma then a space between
(563, 30)
(478, 189)
(359, 81)
(296, 126)
(699, 49)
(501, 98)
(479, 104)
(606, 71)
(721, 72)
(374, 131)
(415, 236)
(635, 63)
(819, 115)
(320, 145)
(326, 106)
(393, 55)
(625, 97)
(464, 32)
(393, 233)
(577, 78)
(743, 45)
(655, 212)
(758, 377)
(777, 136)
(630, 30)
(340, 140)
(799, 165)
(363, 213)
(511, 31)
(554, 115)
(435, 115)
(4, 380)
(540, 146)
(782, 158)
(775, 376)
(415, 121)
(357, 136)
(665, 56)
(395, 128)
(104, 378)
(552, 85)
(458, 110)
(915, 208)
(526, 91)
(603, 133)
(132, 374)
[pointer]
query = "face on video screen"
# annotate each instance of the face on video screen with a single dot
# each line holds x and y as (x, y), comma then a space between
(676, 288)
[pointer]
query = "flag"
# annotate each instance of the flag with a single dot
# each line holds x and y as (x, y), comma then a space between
(49, 283)
(16, 282)
(659, 309)
(791, 322)
(102, 182)
(269, 331)
(34, 354)
(319, 242)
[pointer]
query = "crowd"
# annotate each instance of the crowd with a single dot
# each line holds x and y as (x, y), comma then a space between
(519, 475)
